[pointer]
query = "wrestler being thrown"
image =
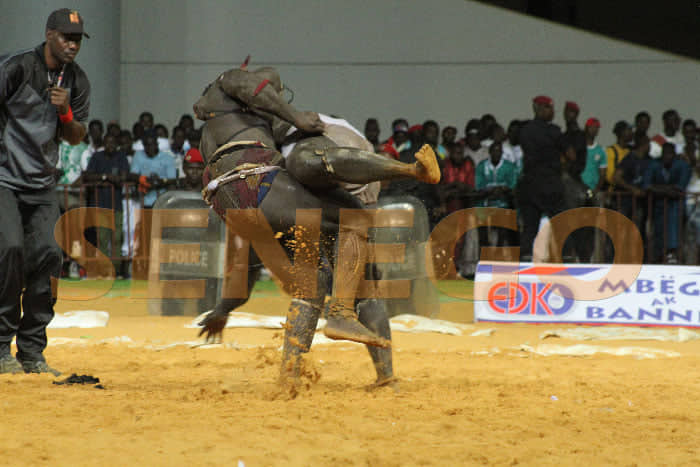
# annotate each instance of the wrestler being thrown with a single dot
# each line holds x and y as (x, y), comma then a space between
(245, 117)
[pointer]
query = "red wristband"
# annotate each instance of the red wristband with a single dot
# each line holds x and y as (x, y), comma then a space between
(66, 117)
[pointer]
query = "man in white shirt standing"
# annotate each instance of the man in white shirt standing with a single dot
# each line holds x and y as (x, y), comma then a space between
(511, 146)
(96, 133)
(671, 133)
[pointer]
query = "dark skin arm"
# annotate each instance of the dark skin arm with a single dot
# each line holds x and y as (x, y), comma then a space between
(620, 181)
(670, 191)
(601, 180)
(242, 85)
(123, 177)
(497, 191)
(73, 131)
(452, 189)
(158, 182)
(89, 177)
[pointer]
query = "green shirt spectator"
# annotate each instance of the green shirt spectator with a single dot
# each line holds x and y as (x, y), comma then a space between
(593, 174)
(595, 161)
(496, 178)
(69, 161)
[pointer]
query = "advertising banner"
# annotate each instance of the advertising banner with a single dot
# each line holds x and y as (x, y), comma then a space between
(638, 295)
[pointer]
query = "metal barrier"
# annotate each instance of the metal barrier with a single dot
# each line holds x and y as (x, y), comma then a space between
(663, 222)
(84, 240)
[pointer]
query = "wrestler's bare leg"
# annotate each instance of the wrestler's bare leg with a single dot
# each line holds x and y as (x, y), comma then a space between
(279, 206)
(373, 315)
(319, 168)
(351, 259)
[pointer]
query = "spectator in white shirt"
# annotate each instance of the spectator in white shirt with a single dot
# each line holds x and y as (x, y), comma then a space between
(96, 133)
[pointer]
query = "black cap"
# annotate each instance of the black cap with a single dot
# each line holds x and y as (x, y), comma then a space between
(400, 127)
(620, 127)
(66, 21)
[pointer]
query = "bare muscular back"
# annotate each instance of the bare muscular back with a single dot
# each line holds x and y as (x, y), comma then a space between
(229, 127)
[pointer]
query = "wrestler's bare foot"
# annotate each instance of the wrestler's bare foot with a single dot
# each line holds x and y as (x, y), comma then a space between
(342, 326)
(428, 170)
(390, 382)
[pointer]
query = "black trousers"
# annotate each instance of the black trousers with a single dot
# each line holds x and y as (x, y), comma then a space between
(29, 259)
(537, 195)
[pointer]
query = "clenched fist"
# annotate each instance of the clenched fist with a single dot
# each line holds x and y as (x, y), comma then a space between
(309, 122)
(60, 97)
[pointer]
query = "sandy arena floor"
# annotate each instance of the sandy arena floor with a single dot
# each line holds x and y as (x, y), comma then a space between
(460, 402)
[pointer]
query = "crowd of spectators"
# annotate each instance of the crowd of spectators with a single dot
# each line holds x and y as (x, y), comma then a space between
(531, 166)
(125, 171)
(540, 171)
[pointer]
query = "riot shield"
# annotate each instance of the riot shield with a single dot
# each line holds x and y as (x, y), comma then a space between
(423, 299)
(179, 265)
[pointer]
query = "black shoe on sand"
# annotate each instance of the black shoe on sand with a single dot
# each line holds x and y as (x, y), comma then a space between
(9, 364)
(38, 367)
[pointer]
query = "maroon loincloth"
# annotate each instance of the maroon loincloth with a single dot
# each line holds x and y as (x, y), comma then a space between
(241, 193)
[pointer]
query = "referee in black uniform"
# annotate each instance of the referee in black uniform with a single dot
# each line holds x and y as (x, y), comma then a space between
(540, 190)
(44, 97)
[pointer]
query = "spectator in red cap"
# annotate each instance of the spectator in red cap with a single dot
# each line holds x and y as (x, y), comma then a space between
(543, 100)
(596, 162)
(576, 139)
(571, 108)
(540, 189)
(193, 167)
(193, 164)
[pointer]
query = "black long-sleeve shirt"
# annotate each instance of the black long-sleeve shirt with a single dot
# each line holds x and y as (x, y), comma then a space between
(542, 145)
(29, 124)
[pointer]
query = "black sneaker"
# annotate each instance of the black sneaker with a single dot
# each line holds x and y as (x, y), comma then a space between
(9, 364)
(38, 367)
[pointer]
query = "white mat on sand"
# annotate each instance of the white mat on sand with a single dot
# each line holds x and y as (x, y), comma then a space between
(416, 323)
(79, 319)
(89, 341)
(583, 350)
(237, 319)
(623, 333)
(400, 323)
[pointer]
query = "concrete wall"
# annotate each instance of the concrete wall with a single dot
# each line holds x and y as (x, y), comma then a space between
(448, 60)
(23, 23)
